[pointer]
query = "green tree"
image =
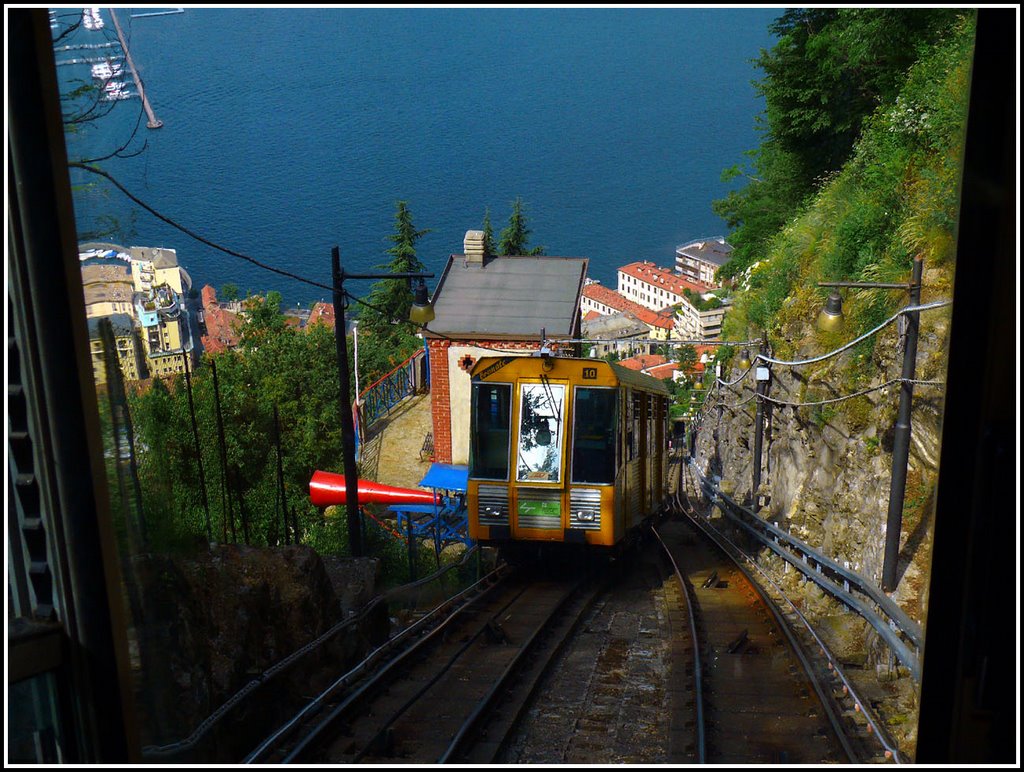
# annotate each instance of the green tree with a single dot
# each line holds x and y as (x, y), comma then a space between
(488, 233)
(229, 292)
(512, 240)
(387, 312)
(263, 317)
(294, 370)
(831, 69)
(687, 358)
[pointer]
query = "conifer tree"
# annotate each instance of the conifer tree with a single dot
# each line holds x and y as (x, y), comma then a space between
(488, 233)
(513, 238)
(392, 298)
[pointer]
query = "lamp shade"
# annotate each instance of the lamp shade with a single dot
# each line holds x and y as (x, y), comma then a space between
(421, 311)
(744, 361)
(831, 317)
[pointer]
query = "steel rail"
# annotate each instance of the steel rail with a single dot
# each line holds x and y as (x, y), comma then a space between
(488, 699)
(697, 667)
(906, 625)
(881, 626)
(455, 657)
(888, 744)
(795, 646)
(346, 679)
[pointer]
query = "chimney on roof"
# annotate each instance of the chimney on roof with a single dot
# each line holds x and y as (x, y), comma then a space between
(473, 247)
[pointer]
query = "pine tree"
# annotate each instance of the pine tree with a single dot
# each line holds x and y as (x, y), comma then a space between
(488, 233)
(392, 298)
(513, 238)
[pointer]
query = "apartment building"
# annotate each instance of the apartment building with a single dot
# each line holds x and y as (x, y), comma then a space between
(126, 342)
(653, 287)
(699, 261)
(146, 290)
(700, 317)
(598, 298)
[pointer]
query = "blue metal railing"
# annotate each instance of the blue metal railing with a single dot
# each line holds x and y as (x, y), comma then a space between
(377, 399)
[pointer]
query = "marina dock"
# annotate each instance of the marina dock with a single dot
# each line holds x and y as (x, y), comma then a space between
(153, 122)
(157, 13)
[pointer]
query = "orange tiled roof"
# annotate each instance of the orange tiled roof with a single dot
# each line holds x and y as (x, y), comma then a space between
(643, 361)
(663, 371)
(612, 299)
(660, 277)
(323, 313)
(220, 324)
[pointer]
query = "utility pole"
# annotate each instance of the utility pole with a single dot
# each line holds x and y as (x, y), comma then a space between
(901, 437)
(348, 434)
(762, 375)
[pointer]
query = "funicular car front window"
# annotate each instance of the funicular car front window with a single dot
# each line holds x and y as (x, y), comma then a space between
(540, 432)
(490, 431)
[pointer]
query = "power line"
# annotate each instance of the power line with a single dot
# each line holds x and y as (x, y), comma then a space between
(254, 261)
(855, 341)
(860, 393)
(193, 234)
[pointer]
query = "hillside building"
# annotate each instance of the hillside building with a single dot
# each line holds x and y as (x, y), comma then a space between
(699, 261)
(487, 305)
(653, 287)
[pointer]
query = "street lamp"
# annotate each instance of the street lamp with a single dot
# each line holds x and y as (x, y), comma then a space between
(744, 361)
(420, 313)
(832, 318)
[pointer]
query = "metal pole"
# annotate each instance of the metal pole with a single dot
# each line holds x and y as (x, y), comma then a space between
(901, 438)
(199, 450)
(355, 354)
(762, 386)
(355, 536)
(280, 479)
(227, 515)
(411, 547)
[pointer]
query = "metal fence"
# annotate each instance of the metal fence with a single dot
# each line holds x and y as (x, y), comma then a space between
(377, 399)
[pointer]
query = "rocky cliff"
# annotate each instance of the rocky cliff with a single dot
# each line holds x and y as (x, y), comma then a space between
(212, 623)
(826, 469)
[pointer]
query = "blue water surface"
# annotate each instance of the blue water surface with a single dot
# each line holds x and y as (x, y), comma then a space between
(289, 131)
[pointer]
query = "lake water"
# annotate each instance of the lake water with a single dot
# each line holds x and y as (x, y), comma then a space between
(289, 131)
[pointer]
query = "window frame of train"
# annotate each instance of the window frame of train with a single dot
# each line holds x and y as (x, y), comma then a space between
(557, 439)
(611, 450)
(476, 470)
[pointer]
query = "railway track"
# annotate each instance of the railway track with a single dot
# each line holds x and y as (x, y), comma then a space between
(860, 733)
(452, 694)
(673, 655)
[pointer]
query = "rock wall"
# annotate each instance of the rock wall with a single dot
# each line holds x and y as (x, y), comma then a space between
(209, 624)
(826, 470)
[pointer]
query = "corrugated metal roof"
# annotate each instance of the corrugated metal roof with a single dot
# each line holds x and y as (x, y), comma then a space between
(509, 297)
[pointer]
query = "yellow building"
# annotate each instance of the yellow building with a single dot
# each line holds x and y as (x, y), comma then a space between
(153, 266)
(165, 335)
(129, 349)
(147, 289)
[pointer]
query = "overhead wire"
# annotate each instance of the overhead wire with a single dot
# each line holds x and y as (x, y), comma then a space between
(855, 341)
(259, 264)
(193, 234)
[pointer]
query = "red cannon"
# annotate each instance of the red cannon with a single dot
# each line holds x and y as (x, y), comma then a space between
(328, 488)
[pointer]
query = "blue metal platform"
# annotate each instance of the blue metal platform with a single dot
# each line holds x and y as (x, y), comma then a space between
(447, 519)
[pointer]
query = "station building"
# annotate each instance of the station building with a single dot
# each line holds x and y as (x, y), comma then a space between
(486, 305)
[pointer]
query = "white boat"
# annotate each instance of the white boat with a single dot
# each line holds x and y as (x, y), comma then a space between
(115, 89)
(107, 70)
(91, 18)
